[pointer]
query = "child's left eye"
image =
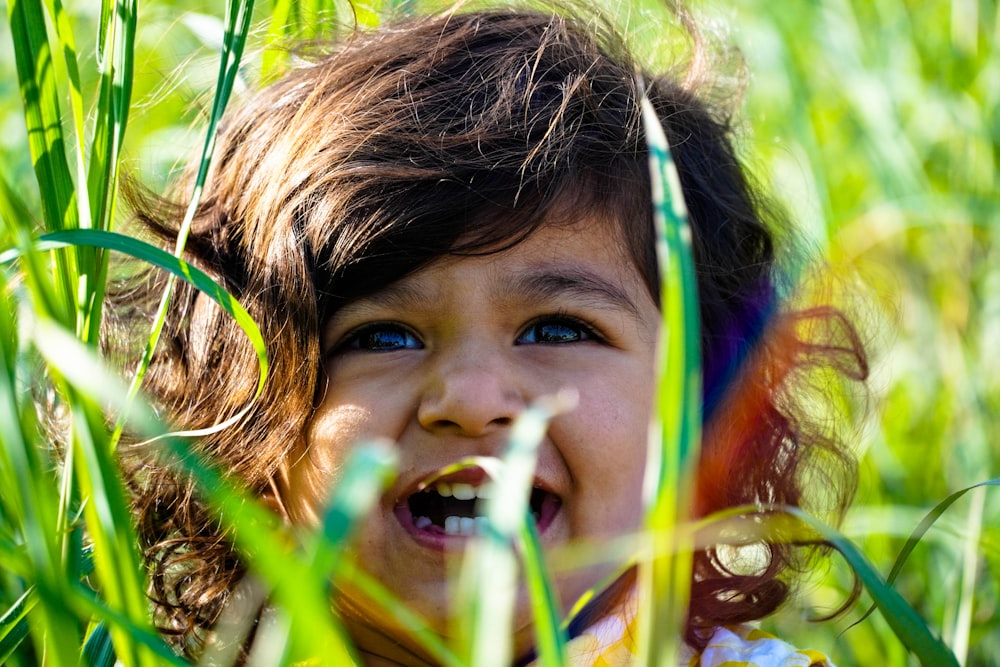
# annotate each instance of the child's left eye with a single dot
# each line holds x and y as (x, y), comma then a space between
(556, 330)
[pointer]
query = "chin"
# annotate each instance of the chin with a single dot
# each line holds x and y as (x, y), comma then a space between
(382, 640)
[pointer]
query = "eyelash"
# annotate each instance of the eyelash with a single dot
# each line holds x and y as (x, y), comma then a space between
(405, 338)
(353, 340)
(585, 331)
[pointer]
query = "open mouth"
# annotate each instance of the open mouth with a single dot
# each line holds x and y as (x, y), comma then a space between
(449, 508)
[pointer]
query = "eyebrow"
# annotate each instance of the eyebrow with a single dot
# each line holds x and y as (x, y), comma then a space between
(543, 284)
(560, 282)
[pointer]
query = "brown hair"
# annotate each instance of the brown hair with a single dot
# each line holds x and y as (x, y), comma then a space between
(459, 134)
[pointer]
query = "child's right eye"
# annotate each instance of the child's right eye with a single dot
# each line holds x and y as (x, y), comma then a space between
(381, 337)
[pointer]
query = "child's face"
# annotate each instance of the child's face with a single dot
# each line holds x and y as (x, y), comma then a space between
(443, 360)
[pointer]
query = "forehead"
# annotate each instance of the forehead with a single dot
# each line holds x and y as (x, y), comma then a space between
(597, 227)
(585, 262)
(581, 225)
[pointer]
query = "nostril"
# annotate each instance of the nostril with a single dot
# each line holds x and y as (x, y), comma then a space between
(464, 426)
(472, 404)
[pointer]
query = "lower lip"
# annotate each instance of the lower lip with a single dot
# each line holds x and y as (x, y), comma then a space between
(438, 540)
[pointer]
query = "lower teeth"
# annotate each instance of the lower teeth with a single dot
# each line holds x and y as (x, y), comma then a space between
(465, 526)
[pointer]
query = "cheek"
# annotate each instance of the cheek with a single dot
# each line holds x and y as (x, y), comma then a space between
(314, 465)
(604, 442)
(331, 431)
(614, 411)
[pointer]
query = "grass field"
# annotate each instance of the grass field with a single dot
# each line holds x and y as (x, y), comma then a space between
(876, 124)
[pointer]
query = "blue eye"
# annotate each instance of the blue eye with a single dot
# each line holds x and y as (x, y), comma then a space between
(555, 331)
(381, 337)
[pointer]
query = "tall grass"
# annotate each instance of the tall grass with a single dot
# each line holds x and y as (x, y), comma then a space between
(877, 121)
(878, 124)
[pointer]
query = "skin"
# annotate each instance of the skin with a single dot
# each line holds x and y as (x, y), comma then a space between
(442, 361)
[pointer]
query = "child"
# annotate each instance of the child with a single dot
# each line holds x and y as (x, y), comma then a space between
(438, 223)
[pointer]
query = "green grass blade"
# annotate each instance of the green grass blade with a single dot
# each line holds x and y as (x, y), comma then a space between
(106, 509)
(664, 579)
(294, 21)
(164, 260)
(918, 533)
(401, 614)
(67, 43)
(366, 14)
(114, 99)
(550, 636)
(958, 632)
(43, 118)
(238, 15)
(14, 211)
(14, 624)
(31, 494)
(99, 650)
(489, 576)
(274, 58)
(794, 526)
(257, 531)
(117, 564)
(253, 525)
(40, 96)
(18, 221)
(91, 604)
(907, 625)
(925, 524)
(367, 471)
(40, 287)
(13, 640)
(79, 364)
(103, 27)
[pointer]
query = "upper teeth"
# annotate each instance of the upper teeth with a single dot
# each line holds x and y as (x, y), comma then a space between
(461, 491)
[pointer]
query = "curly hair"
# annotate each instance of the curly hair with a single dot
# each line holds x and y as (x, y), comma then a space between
(459, 134)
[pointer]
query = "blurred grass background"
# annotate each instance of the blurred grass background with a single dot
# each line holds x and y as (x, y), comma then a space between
(876, 123)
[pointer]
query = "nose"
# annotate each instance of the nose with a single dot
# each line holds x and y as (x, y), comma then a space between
(470, 393)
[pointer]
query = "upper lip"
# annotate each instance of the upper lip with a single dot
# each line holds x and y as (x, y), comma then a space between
(476, 473)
